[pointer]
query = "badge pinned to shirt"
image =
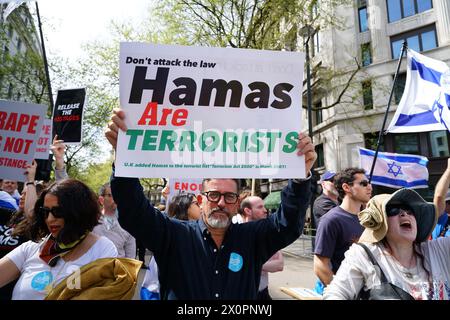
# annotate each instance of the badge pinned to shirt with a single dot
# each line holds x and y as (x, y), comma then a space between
(41, 280)
(236, 262)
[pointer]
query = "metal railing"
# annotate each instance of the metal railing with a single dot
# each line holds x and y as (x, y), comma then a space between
(303, 246)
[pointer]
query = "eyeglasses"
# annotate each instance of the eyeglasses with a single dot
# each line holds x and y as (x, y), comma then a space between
(393, 211)
(57, 212)
(229, 197)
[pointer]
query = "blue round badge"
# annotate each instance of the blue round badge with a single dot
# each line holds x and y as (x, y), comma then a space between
(41, 280)
(236, 262)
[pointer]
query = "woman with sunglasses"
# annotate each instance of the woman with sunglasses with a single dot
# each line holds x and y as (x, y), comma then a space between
(397, 232)
(61, 241)
(14, 223)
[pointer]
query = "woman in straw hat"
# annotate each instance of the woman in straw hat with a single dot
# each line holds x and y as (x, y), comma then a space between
(397, 229)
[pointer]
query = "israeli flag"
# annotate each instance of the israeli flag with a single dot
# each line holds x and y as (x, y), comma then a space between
(395, 170)
(7, 201)
(426, 100)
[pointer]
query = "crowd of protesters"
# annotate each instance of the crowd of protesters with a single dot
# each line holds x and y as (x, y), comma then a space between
(220, 244)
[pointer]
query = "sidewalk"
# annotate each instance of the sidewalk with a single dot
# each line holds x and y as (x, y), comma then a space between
(298, 269)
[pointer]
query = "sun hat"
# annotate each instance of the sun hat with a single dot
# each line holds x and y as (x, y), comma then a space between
(328, 175)
(374, 217)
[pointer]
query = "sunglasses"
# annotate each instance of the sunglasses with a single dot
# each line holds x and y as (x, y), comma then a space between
(393, 211)
(56, 212)
(363, 183)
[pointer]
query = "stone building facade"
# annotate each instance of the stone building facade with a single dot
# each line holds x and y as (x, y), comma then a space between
(373, 33)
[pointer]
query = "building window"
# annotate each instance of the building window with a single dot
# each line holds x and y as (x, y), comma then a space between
(407, 143)
(399, 87)
(419, 40)
(399, 9)
(315, 37)
(10, 91)
(362, 14)
(366, 54)
(367, 94)
(439, 144)
(371, 140)
(316, 44)
(320, 162)
(318, 117)
(19, 44)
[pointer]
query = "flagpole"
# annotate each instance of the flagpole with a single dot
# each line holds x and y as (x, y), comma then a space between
(47, 75)
(404, 47)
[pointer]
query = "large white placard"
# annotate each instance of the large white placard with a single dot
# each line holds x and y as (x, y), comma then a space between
(209, 112)
(20, 125)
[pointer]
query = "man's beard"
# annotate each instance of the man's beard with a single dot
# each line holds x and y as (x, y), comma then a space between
(217, 222)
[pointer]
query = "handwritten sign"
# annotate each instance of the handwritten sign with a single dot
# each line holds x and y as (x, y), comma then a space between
(20, 124)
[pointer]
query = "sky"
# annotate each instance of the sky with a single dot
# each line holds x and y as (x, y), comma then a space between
(69, 23)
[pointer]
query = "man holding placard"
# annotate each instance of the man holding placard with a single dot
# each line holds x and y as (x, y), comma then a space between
(191, 112)
(212, 258)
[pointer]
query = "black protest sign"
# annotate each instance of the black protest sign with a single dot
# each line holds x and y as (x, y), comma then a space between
(68, 115)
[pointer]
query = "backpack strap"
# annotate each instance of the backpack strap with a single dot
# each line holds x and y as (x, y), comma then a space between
(383, 278)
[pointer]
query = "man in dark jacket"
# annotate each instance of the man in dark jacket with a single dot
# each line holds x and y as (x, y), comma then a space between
(328, 199)
(211, 258)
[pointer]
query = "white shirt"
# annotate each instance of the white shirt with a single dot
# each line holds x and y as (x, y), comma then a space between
(356, 272)
(38, 278)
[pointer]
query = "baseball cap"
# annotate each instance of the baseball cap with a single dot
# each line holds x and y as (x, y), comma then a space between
(328, 175)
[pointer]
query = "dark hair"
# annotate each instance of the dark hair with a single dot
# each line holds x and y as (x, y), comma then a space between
(179, 205)
(39, 188)
(80, 208)
(346, 176)
(20, 225)
(238, 182)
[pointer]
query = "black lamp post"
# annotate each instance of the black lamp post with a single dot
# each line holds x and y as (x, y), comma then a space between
(307, 32)
(44, 56)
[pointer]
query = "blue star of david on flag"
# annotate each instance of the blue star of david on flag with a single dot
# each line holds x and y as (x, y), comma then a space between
(395, 170)
(392, 167)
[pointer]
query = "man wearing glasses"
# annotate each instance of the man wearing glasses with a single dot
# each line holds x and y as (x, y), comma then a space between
(340, 227)
(211, 258)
